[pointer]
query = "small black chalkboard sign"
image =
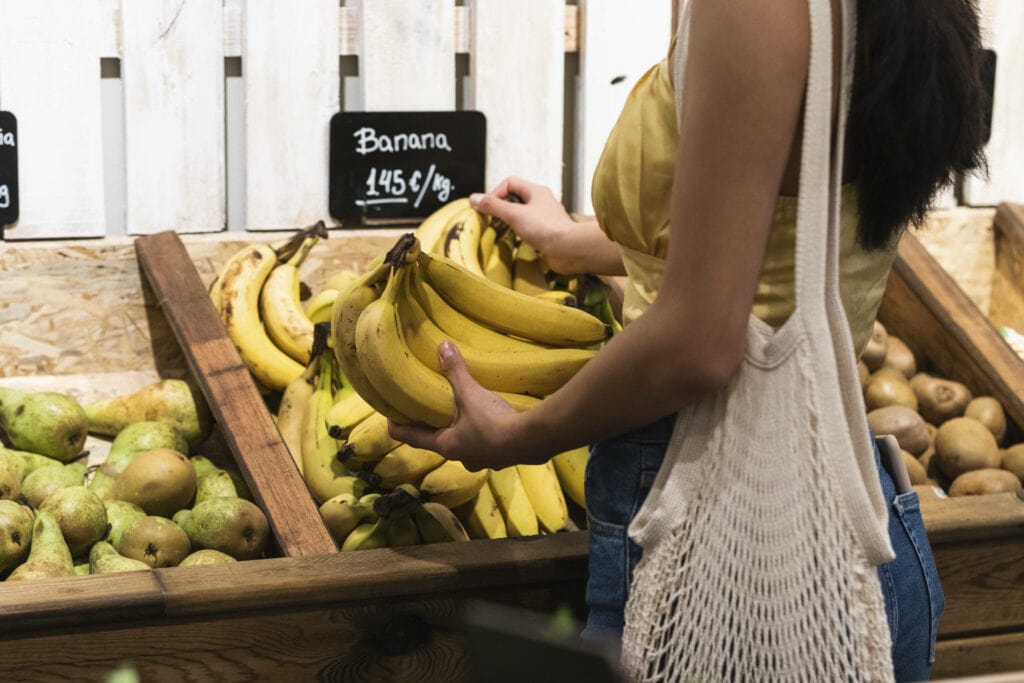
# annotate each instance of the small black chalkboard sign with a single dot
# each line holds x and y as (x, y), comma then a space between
(388, 167)
(8, 168)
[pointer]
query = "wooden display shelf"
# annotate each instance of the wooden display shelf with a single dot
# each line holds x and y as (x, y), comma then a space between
(395, 614)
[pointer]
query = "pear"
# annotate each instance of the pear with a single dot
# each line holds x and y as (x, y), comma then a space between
(181, 517)
(161, 482)
(40, 483)
(103, 559)
(171, 401)
(205, 557)
(49, 555)
(28, 462)
(82, 569)
(120, 515)
(203, 466)
(81, 515)
(10, 475)
(216, 485)
(15, 534)
(157, 541)
(129, 442)
(44, 422)
(233, 526)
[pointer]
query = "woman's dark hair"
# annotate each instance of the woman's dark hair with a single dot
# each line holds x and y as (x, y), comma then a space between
(918, 109)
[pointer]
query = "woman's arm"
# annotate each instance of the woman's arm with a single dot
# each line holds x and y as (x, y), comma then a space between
(745, 76)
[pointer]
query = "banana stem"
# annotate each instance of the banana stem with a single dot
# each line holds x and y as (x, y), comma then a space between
(296, 241)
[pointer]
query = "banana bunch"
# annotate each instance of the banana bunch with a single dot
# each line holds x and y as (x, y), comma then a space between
(256, 294)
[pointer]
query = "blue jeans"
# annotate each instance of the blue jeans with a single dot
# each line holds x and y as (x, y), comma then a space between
(619, 476)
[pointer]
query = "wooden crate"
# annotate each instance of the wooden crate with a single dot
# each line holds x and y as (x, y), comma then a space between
(395, 614)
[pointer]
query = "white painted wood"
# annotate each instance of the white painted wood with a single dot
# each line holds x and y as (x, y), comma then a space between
(173, 72)
(50, 80)
(407, 55)
(517, 79)
(619, 40)
(1004, 32)
(291, 70)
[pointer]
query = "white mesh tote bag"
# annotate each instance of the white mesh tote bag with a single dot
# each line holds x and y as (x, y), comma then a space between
(763, 528)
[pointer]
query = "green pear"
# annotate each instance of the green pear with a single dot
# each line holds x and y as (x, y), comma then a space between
(120, 515)
(28, 462)
(205, 557)
(40, 483)
(161, 482)
(49, 555)
(103, 559)
(15, 534)
(181, 517)
(216, 485)
(157, 541)
(44, 422)
(240, 484)
(10, 475)
(233, 526)
(203, 466)
(81, 515)
(129, 442)
(82, 569)
(171, 401)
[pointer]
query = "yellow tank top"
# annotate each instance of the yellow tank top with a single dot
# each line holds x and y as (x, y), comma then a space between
(631, 190)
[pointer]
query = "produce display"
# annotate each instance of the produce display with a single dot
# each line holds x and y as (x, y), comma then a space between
(363, 349)
(148, 505)
(953, 442)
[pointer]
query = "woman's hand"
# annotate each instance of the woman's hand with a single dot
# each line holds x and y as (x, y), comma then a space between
(484, 432)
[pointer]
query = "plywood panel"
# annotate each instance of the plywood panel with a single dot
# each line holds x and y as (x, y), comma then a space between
(619, 40)
(517, 77)
(50, 80)
(291, 70)
(173, 71)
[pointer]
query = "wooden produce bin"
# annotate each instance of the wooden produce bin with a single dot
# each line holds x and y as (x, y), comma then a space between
(395, 614)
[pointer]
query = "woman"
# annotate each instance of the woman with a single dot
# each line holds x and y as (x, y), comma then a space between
(699, 209)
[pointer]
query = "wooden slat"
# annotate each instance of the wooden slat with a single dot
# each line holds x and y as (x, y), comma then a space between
(173, 72)
(406, 55)
(987, 655)
(292, 89)
(618, 42)
(974, 518)
(233, 397)
(50, 80)
(1007, 308)
(517, 76)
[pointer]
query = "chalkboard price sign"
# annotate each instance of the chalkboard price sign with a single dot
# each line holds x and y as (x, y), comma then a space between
(397, 166)
(8, 168)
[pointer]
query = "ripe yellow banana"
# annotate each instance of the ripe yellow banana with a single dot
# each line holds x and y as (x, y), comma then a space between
(538, 372)
(318, 308)
(342, 514)
(368, 441)
(528, 272)
(431, 231)
(451, 484)
(482, 517)
(341, 280)
(571, 467)
(405, 464)
(291, 412)
(462, 240)
(558, 296)
(285, 321)
(367, 536)
(487, 239)
(498, 266)
(325, 476)
(438, 524)
(241, 254)
(346, 413)
(541, 484)
(507, 310)
(514, 502)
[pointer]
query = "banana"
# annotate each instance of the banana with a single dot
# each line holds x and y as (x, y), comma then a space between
(498, 266)
(571, 467)
(291, 412)
(514, 502)
(243, 253)
(438, 524)
(528, 272)
(482, 517)
(451, 484)
(342, 280)
(507, 310)
(437, 224)
(402, 531)
(285, 321)
(341, 514)
(346, 414)
(558, 296)
(462, 240)
(368, 501)
(325, 476)
(367, 536)
(545, 493)
(538, 372)
(318, 308)
(487, 239)
(406, 465)
(368, 441)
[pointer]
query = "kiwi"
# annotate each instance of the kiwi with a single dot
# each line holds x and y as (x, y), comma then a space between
(875, 352)
(884, 389)
(964, 444)
(1013, 460)
(988, 411)
(984, 481)
(863, 373)
(916, 471)
(939, 399)
(900, 357)
(903, 423)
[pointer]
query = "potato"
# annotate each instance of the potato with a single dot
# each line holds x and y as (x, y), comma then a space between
(878, 346)
(988, 411)
(984, 481)
(903, 423)
(915, 469)
(964, 444)
(1013, 460)
(885, 390)
(900, 357)
(939, 399)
